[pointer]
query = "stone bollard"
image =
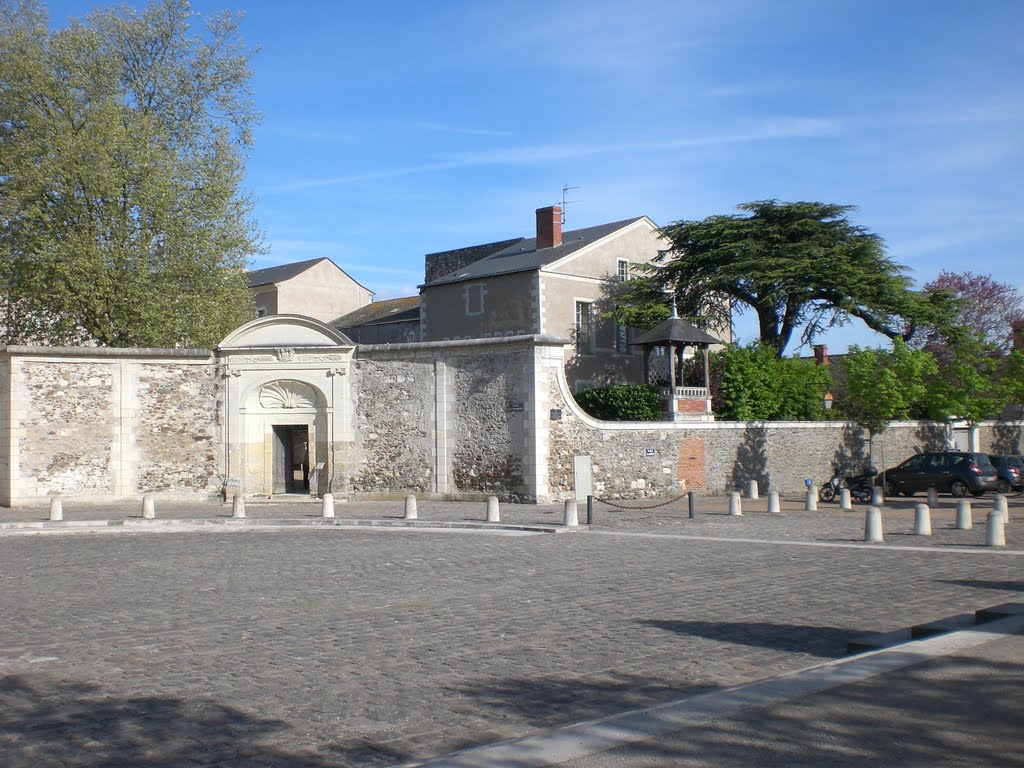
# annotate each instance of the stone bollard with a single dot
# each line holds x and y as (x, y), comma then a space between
(237, 506)
(844, 499)
(933, 496)
(56, 509)
(873, 526)
(735, 505)
(922, 520)
(327, 506)
(999, 505)
(995, 535)
(811, 502)
(148, 510)
(571, 517)
(877, 496)
(410, 507)
(773, 503)
(752, 491)
(964, 521)
(493, 513)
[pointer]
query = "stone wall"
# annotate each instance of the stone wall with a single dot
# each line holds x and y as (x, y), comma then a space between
(104, 424)
(633, 460)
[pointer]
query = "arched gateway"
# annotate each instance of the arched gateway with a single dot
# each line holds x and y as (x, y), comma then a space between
(287, 410)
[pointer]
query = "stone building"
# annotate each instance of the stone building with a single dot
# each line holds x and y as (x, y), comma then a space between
(316, 288)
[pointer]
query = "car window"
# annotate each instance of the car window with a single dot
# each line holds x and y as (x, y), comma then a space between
(956, 460)
(981, 459)
(1014, 461)
(914, 462)
(936, 461)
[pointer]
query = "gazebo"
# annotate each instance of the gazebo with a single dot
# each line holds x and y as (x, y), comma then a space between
(673, 336)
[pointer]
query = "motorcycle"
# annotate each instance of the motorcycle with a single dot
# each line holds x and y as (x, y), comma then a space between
(860, 486)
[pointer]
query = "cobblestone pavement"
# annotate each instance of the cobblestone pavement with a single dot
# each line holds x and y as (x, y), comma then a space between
(339, 646)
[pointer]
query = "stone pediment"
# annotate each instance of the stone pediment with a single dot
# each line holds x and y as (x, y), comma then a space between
(284, 332)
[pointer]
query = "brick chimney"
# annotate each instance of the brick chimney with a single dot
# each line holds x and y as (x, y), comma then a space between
(549, 226)
(820, 354)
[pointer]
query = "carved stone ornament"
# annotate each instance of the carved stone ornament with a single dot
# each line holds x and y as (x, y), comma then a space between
(287, 394)
(285, 354)
(254, 359)
(321, 358)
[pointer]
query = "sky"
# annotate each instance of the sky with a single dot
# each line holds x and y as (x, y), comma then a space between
(398, 128)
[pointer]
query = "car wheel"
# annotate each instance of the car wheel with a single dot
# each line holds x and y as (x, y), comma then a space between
(959, 489)
(1003, 485)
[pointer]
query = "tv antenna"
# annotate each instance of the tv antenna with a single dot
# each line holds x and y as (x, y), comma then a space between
(565, 189)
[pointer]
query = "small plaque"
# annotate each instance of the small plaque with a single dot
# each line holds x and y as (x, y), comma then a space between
(648, 451)
(515, 407)
(556, 414)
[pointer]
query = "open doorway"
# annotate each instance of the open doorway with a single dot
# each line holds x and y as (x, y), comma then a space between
(291, 458)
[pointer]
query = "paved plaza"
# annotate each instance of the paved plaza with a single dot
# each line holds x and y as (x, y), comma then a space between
(291, 641)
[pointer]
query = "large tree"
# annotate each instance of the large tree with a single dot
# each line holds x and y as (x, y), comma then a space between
(123, 221)
(796, 265)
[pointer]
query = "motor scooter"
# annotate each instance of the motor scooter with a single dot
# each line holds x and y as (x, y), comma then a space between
(860, 486)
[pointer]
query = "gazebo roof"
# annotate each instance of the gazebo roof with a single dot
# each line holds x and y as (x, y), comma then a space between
(678, 330)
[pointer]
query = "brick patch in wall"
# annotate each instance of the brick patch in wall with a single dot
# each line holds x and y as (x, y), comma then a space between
(691, 471)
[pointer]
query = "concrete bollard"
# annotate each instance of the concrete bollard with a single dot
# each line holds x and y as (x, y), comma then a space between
(964, 521)
(148, 509)
(811, 501)
(56, 509)
(237, 506)
(571, 516)
(773, 503)
(999, 505)
(410, 507)
(327, 506)
(493, 513)
(922, 520)
(735, 504)
(752, 491)
(877, 496)
(844, 499)
(933, 496)
(873, 526)
(995, 535)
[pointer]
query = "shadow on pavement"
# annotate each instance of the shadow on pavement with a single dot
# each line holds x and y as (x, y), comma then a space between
(827, 642)
(46, 722)
(1009, 586)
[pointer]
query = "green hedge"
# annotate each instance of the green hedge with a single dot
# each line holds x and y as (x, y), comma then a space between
(633, 402)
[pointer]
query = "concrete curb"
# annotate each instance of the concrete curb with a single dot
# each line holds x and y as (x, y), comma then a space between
(573, 742)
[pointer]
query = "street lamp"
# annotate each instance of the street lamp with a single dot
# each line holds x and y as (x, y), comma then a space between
(826, 402)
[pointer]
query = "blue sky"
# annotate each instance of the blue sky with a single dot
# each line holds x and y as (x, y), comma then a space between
(398, 128)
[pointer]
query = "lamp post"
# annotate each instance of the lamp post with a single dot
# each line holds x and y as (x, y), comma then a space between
(826, 402)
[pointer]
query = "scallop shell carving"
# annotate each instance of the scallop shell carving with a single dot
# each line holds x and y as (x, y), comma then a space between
(287, 394)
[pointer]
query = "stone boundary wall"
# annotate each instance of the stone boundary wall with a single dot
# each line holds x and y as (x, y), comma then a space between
(642, 459)
(448, 418)
(101, 424)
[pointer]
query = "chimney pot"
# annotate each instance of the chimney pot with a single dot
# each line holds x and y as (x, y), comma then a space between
(549, 226)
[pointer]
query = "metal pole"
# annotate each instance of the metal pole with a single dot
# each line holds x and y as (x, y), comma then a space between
(590, 510)
(689, 500)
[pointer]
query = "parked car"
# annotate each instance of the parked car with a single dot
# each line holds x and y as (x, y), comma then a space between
(955, 472)
(1011, 472)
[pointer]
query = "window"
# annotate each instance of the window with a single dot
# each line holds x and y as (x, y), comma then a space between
(623, 270)
(473, 295)
(261, 311)
(585, 342)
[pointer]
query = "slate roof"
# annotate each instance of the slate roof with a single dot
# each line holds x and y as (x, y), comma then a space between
(282, 272)
(380, 312)
(676, 329)
(522, 255)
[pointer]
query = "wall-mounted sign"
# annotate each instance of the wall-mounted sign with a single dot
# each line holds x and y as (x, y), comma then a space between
(648, 451)
(556, 414)
(515, 407)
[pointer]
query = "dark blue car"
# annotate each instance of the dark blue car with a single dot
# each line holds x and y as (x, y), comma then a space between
(955, 472)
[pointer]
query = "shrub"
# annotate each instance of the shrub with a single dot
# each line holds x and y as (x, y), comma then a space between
(624, 402)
